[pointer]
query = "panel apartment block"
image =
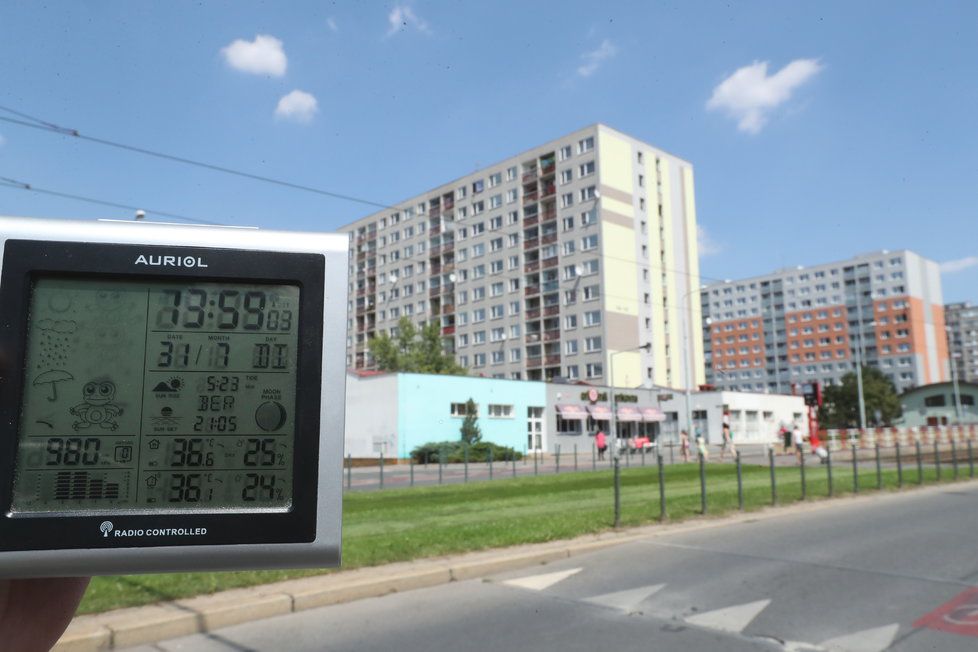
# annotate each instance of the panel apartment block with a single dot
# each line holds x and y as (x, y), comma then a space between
(962, 337)
(543, 265)
(814, 323)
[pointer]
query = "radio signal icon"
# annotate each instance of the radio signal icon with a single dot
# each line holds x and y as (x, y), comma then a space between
(106, 527)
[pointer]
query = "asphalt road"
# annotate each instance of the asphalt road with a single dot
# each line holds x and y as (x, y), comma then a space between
(866, 576)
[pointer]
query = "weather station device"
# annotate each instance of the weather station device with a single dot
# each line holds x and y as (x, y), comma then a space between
(171, 397)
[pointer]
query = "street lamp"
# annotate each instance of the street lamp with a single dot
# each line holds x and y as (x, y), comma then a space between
(611, 376)
(954, 379)
(687, 353)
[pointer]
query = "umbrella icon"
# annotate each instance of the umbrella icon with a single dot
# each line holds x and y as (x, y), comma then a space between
(52, 378)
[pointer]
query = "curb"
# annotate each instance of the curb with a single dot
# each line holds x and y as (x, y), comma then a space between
(152, 623)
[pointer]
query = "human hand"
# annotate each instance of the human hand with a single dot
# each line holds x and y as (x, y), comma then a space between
(34, 613)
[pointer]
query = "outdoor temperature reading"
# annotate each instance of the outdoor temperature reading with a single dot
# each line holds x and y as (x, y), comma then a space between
(172, 394)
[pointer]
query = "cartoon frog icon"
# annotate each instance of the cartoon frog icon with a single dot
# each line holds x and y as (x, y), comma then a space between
(98, 408)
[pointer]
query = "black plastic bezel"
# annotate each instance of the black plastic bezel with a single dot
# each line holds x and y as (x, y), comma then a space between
(24, 260)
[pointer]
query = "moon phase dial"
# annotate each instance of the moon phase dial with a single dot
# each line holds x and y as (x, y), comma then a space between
(270, 416)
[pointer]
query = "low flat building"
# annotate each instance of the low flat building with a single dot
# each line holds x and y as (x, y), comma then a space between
(393, 413)
(937, 405)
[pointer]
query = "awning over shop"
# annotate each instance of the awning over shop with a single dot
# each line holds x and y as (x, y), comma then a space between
(651, 414)
(572, 412)
(599, 412)
(629, 413)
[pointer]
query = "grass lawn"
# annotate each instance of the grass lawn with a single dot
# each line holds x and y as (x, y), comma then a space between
(403, 524)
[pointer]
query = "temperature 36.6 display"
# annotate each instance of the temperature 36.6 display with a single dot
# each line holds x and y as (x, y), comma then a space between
(157, 395)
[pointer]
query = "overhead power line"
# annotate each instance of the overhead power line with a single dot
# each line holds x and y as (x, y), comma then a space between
(42, 125)
(6, 182)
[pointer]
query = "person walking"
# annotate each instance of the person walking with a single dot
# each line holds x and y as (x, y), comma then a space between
(602, 443)
(798, 441)
(727, 446)
(684, 445)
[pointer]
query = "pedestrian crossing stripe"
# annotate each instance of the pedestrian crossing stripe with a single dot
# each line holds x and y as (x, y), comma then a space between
(876, 639)
(729, 619)
(541, 582)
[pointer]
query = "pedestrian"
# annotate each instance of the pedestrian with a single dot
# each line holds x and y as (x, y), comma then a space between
(797, 440)
(727, 446)
(684, 445)
(785, 435)
(602, 443)
(816, 443)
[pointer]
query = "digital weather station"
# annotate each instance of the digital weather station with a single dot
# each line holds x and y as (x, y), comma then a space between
(171, 397)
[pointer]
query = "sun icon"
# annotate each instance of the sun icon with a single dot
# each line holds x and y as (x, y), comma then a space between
(175, 383)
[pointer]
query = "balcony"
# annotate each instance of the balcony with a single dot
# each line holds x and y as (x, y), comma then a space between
(448, 309)
(530, 176)
(530, 197)
(448, 330)
(550, 262)
(532, 363)
(548, 167)
(447, 288)
(550, 311)
(551, 360)
(434, 293)
(532, 338)
(551, 336)
(531, 243)
(434, 251)
(531, 290)
(549, 215)
(530, 220)
(549, 190)
(531, 267)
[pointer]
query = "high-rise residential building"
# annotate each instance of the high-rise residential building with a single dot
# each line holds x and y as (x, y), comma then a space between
(801, 324)
(962, 339)
(554, 263)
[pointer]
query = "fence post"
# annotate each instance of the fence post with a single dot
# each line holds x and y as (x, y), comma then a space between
(899, 467)
(557, 468)
(920, 464)
(524, 454)
(349, 471)
(411, 464)
(855, 469)
(879, 469)
(536, 464)
(381, 469)
(954, 457)
(575, 458)
(594, 457)
(628, 455)
(662, 489)
(441, 464)
(937, 459)
(512, 457)
(740, 484)
(774, 483)
(702, 484)
(971, 461)
(643, 455)
(490, 463)
(617, 483)
(828, 466)
(465, 462)
(804, 491)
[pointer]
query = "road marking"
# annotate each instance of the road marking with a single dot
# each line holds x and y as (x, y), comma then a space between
(541, 582)
(626, 600)
(876, 639)
(730, 619)
(958, 616)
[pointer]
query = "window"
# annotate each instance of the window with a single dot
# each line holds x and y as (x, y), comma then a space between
(496, 288)
(586, 169)
(515, 355)
(592, 344)
(565, 152)
(589, 267)
(514, 307)
(513, 239)
(570, 322)
(479, 337)
(478, 271)
(478, 315)
(585, 145)
(588, 193)
(460, 193)
(496, 267)
(497, 334)
(566, 176)
(479, 360)
(594, 370)
(514, 285)
(567, 199)
(478, 228)
(567, 223)
(592, 292)
(495, 179)
(511, 196)
(511, 173)
(570, 347)
(589, 217)
(569, 245)
(463, 341)
(460, 410)
(589, 242)
(497, 358)
(495, 202)
(937, 400)
(478, 186)
(497, 411)
(478, 250)
(592, 318)
(573, 373)
(496, 312)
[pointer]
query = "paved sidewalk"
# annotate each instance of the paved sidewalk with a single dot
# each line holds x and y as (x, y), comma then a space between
(148, 624)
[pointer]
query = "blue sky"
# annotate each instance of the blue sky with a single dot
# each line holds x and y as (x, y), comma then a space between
(860, 133)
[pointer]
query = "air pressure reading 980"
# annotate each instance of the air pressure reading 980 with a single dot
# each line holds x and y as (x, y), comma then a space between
(154, 396)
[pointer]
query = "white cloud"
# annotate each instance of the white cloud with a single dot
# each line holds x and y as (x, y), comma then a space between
(750, 94)
(705, 244)
(332, 25)
(402, 17)
(594, 58)
(959, 265)
(298, 106)
(263, 56)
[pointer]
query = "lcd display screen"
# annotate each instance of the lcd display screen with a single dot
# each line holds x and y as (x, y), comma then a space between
(154, 396)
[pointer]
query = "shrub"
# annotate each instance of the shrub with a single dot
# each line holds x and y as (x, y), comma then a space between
(454, 452)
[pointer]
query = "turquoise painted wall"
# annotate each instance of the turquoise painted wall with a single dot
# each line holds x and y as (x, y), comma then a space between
(424, 408)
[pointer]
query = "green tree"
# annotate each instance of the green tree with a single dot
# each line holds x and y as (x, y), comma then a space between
(471, 434)
(840, 405)
(414, 350)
